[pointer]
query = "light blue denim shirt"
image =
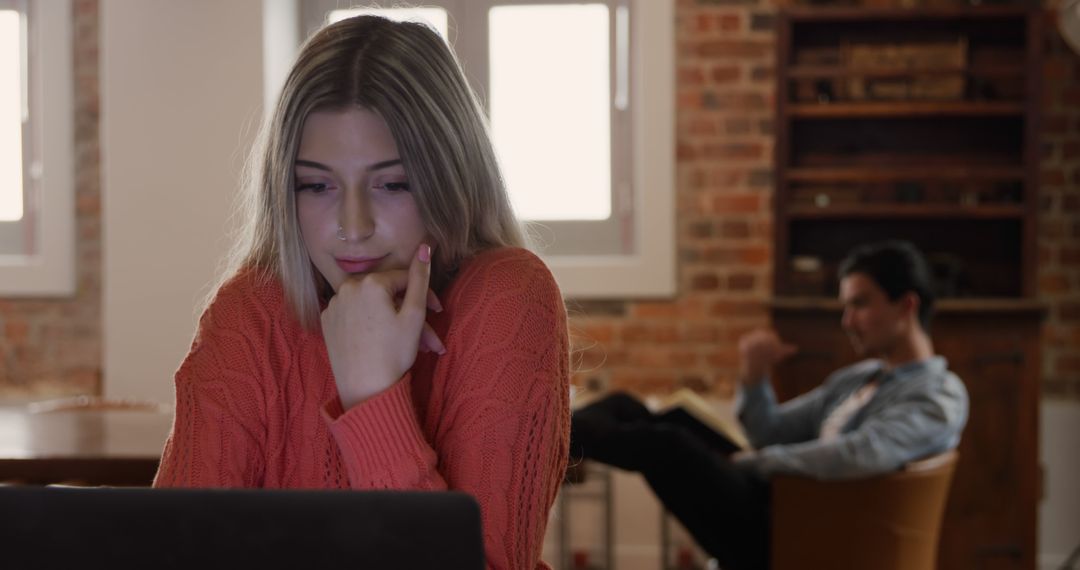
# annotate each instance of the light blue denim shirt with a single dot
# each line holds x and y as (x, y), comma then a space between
(919, 409)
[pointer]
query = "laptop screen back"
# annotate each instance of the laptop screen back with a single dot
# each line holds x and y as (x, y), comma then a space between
(117, 528)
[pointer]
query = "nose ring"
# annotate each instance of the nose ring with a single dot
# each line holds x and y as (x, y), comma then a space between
(341, 233)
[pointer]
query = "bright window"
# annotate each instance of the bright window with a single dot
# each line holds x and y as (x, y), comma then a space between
(11, 114)
(36, 149)
(580, 100)
(551, 109)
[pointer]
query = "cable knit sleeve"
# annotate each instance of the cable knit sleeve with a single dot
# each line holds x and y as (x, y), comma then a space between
(217, 436)
(497, 422)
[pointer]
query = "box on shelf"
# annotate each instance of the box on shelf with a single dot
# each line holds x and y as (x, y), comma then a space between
(907, 60)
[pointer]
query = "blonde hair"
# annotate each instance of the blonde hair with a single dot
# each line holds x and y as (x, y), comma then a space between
(405, 73)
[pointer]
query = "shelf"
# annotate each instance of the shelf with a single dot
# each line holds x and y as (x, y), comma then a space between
(891, 173)
(903, 109)
(905, 211)
(843, 71)
(918, 13)
(948, 305)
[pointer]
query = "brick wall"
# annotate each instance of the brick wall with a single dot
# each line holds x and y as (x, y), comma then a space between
(725, 119)
(726, 51)
(1059, 218)
(725, 58)
(53, 347)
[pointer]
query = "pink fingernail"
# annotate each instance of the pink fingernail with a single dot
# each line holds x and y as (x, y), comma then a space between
(425, 253)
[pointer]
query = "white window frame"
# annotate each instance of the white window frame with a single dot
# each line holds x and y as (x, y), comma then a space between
(50, 270)
(649, 269)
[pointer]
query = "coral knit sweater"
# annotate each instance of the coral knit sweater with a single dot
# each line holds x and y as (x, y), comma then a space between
(256, 403)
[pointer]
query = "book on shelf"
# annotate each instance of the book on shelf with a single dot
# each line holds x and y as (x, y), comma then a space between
(694, 413)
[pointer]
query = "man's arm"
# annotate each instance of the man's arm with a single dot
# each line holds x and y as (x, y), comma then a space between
(766, 422)
(924, 424)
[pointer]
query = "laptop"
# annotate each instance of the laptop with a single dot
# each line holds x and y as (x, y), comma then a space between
(51, 528)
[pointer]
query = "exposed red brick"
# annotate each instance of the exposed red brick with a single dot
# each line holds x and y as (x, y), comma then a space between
(737, 255)
(16, 331)
(741, 282)
(650, 310)
(1070, 97)
(1070, 149)
(649, 332)
(735, 151)
(703, 127)
(735, 229)
(723, 357)
(1053, 283)
(1055, 69)
(725, 73)
(685, 152)
(660, 357)
(733, 308)
(642, 382)
(687, 307)
(705, 22)
(1070, 256)
(730, 22)
(737, 203)
(1069, 311)
(1067, 364)
(1045, 255)
(705, 282)
(689, 99)
(735, 49)
(706, 332)
(1053, 177)
(596, 357)
(597, 332)
(691, 76)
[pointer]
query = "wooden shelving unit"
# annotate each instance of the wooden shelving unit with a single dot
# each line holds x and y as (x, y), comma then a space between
(922, 124)
(897, 173)
(913, 109)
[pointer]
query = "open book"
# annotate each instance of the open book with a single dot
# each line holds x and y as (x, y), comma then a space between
(689, 410)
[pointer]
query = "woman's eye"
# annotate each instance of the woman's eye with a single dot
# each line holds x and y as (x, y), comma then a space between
(395, 186)
(313, 187)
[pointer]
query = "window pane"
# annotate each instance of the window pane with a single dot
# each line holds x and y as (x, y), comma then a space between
(434, 17)
(11, 155)
(550, 108)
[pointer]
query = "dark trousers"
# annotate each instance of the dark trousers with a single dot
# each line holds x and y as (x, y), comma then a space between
(725, 507)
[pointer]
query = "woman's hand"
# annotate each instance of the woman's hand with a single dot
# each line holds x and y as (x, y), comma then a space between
(371, 339)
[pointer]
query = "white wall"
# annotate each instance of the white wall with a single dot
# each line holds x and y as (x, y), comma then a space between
(181, 93)
(1059, 514)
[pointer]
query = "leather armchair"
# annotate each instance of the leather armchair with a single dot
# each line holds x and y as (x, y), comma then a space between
(890, 522)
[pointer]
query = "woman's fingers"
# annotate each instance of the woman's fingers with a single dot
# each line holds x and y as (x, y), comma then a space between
(430, 341)
(414, 305)
(433, 302)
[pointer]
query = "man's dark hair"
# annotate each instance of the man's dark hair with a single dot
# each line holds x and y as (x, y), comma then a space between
(897, 267)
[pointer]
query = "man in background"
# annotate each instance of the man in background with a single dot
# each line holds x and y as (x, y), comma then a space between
(899, 404)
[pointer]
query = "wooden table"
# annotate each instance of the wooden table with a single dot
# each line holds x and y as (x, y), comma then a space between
(88, 447)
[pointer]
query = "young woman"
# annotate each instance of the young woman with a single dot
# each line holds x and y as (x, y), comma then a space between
(381, 328)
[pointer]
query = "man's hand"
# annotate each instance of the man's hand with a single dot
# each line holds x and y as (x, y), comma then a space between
(759, 351)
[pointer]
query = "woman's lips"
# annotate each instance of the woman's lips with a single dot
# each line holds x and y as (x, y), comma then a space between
(358, 264)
